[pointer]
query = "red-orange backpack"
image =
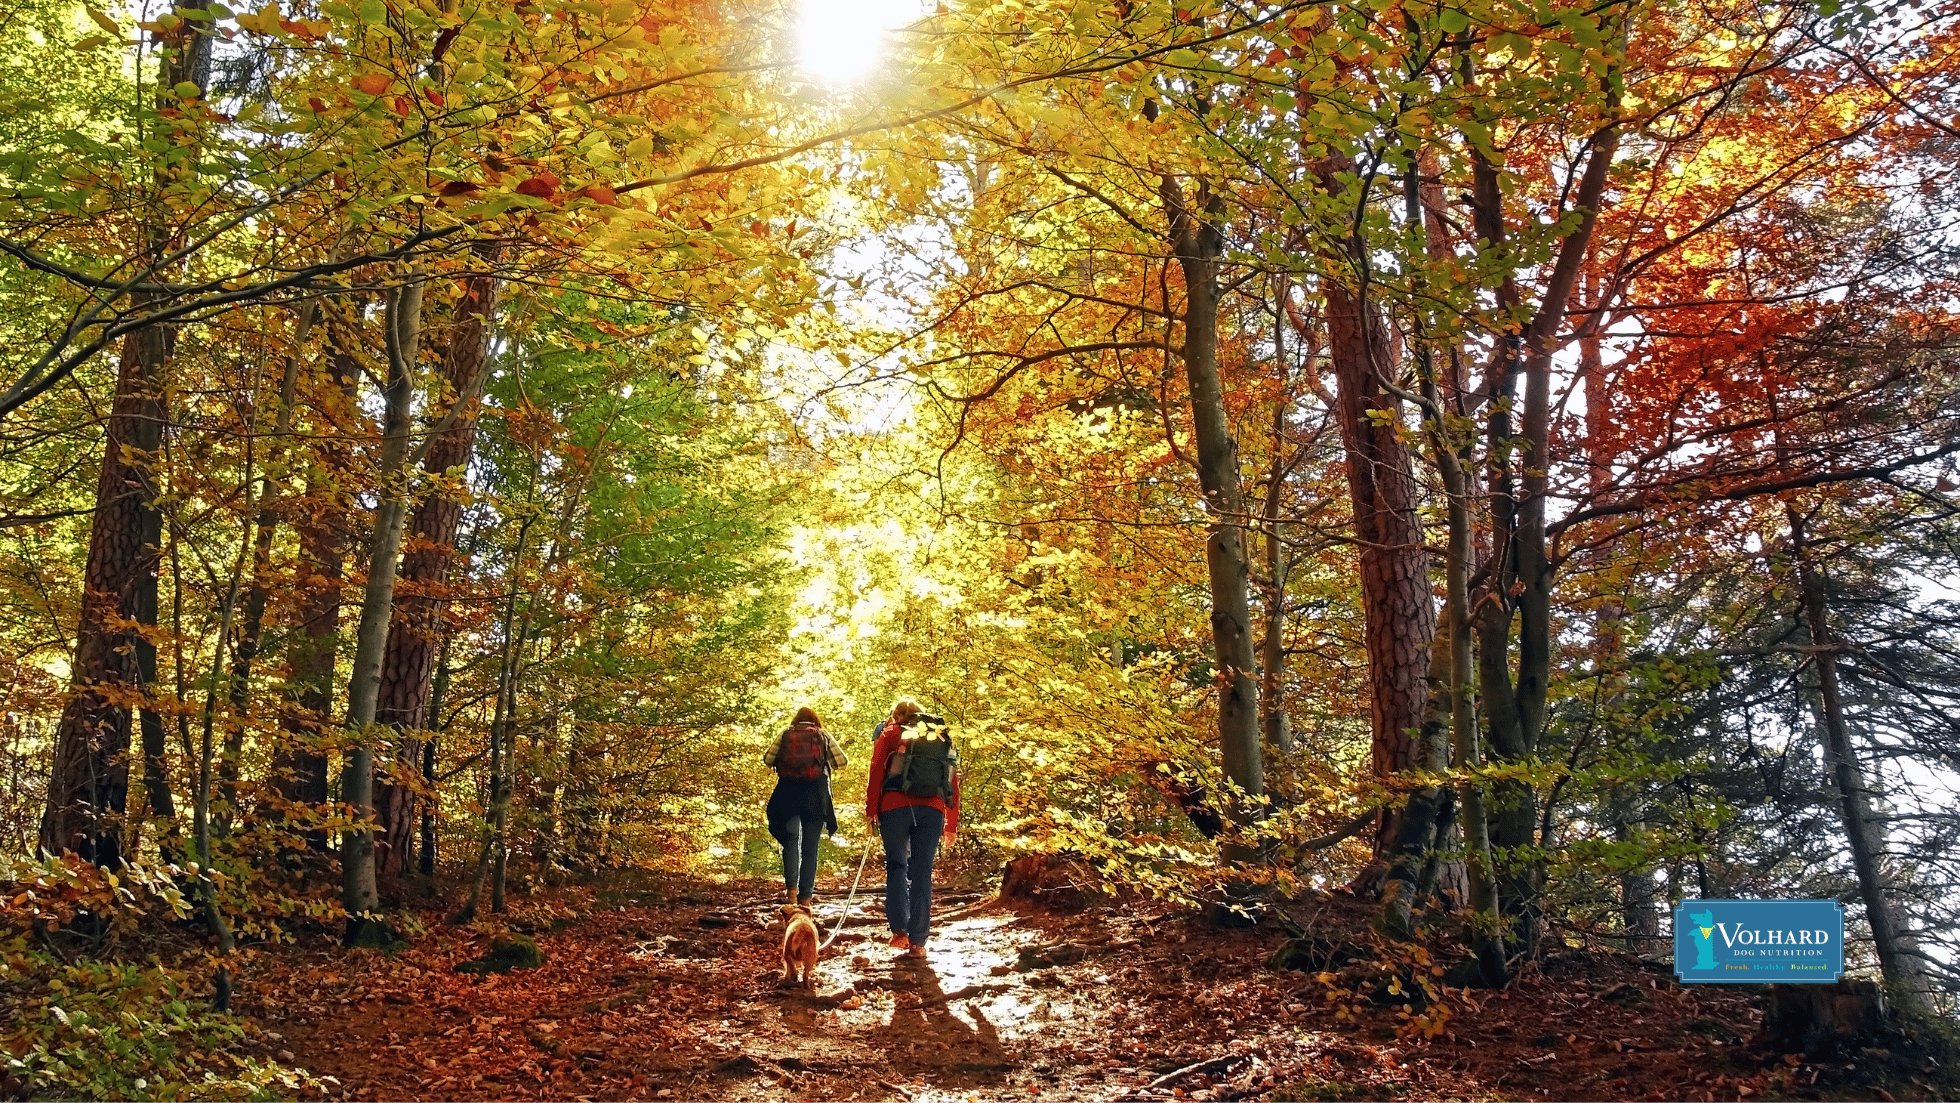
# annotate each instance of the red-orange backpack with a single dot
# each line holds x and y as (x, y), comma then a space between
(801, 755)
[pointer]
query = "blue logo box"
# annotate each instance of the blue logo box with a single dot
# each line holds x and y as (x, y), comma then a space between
(1758, 941)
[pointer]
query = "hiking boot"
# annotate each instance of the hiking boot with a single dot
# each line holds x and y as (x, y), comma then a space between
(807, 901)
(900, 941)
(789, 896)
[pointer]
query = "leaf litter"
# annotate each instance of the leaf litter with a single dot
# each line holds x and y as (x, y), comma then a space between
(673, 995)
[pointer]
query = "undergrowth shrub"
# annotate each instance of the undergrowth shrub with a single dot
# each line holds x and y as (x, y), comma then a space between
(80, 1020)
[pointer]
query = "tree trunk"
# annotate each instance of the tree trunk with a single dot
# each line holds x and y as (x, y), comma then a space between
(1639, 900)
(439, 692)
(1397, 607)
(502, 720)
(299, 767)
(1521, 578)
(1421, 831)
(251, 625)
(1198, 242)
(88, 786)
(1902, 972)
(359, 893)
(424, 572)
(1272, 645)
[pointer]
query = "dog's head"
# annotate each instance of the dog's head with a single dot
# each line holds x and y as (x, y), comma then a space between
(791, 911)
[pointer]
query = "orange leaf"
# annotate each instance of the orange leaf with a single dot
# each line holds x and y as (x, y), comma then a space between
(372, 83)
(432, 96)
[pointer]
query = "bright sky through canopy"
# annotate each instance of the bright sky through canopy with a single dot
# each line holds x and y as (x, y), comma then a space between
(841, 42)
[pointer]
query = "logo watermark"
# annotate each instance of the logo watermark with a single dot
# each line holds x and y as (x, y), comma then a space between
(1758, 941)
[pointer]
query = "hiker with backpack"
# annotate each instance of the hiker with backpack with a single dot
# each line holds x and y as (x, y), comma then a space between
(800, 811)
(914, 798)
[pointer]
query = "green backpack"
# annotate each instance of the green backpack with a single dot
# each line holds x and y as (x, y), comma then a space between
(924, 763)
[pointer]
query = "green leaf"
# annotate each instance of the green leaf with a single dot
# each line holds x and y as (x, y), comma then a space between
(1453, 21)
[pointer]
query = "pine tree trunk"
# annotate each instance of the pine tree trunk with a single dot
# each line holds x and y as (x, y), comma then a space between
(1902, 972)
(88, 792)
(88, 785)
(424, 573)
(1397, 607)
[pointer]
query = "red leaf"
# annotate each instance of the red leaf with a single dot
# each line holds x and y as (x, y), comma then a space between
(544, 185)
(601, 194)
(442, 43)
(404, 106)
(314, 103)
(432, 96)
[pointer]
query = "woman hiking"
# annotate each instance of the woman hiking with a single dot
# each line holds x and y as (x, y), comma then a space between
(800, 811)
(914, 809)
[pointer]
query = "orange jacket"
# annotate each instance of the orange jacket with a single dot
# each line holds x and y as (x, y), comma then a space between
(878, 799)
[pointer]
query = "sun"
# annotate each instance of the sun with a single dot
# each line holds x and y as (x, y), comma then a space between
(842, 42)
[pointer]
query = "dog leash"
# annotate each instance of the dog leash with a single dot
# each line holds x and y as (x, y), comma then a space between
(845, 912)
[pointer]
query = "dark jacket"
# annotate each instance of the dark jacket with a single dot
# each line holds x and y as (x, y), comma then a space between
(797, 797)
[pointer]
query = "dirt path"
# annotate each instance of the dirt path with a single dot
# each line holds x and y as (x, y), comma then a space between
(674, 996)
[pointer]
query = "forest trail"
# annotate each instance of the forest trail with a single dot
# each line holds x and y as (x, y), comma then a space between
(648, 995)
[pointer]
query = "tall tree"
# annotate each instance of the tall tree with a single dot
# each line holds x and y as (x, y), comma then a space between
(115, 657)
(429, 547)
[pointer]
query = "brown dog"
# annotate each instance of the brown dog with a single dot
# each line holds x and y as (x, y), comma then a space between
(799, 945)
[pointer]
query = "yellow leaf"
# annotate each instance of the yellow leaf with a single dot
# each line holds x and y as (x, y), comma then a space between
(103, 21)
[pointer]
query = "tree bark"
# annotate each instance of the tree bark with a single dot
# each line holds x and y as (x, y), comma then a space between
(359, 893)
(424, 573)
(1272, 645)
(88, 787)
(1397, 607)
(1895, 961)
(1198, 242)
(299, 767)
(1520, 586)
(1639, 911)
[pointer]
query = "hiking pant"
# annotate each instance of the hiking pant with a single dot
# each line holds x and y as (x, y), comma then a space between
(801, 834)
(911, 840)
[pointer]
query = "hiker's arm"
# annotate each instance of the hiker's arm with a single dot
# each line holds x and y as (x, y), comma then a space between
(874, 782)
(769, 756)
(953, 808)
(836, 753)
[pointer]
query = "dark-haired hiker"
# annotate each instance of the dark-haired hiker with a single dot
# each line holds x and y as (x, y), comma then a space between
(911, 827)
(800, 810)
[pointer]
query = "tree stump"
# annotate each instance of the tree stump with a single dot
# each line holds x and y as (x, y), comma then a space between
(516, 952)
(1059, 881)
(1820, 1019)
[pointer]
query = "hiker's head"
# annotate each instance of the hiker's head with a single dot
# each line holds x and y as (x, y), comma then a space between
(806, 715)
(905, 711)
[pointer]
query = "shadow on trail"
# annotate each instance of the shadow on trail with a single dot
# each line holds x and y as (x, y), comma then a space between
(925, 1039)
